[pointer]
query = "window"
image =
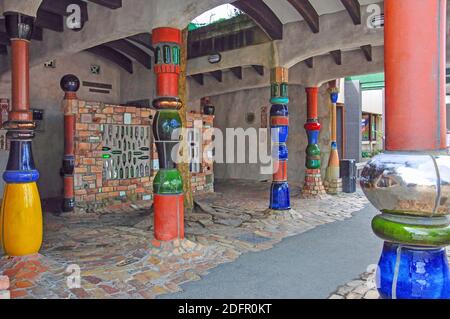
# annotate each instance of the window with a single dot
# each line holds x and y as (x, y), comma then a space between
(365, 127)
(369, 127)
(195, 142)
(374, 133)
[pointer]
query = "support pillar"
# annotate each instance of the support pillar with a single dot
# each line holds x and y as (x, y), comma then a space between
(409, 183)
(70, 84)
(333, 183)
(279, 119)
(21, 227)
(168, 183)
(313, 187)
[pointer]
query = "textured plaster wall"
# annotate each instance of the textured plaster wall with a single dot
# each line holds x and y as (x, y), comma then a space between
(45, 93)
(448, 117)
(230, 113)
(137, 86)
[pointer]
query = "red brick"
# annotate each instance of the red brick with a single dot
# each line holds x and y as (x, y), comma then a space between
(96, 169)
(23, 284)
(81, 127)
(108, 110)
(89, 161)
(84, 147)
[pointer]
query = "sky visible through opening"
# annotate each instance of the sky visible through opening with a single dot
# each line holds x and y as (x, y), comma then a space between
(226, 11)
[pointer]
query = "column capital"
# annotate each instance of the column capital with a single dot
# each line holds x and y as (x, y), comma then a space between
(166, 35)
(280, 75)
(19, 26)
(312, 90)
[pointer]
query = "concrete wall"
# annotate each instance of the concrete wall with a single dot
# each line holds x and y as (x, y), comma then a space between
(231, 109)
(45, 93)
(353, 117)
(448, 116)
(137, 86)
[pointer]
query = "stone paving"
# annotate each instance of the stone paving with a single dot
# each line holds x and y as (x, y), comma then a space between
(118, 258)
(362, 288)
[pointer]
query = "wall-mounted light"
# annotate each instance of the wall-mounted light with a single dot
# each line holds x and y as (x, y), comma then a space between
(215, 58)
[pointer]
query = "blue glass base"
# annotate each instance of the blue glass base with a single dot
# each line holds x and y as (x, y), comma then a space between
(420, 273)
(280, 198)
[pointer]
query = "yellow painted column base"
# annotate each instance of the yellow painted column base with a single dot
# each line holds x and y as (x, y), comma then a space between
(333, 170)
(21, 228)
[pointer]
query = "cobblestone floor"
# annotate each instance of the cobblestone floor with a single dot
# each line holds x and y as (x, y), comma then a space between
(362, 288)
(118, 257)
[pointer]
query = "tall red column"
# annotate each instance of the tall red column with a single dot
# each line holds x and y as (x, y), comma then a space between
(313, 187)
(167, 124)
(415, 75)
(70, 84)
(409, 184)
(20, 80)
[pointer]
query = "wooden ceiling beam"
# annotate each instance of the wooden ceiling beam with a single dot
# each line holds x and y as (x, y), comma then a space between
(60, 7)
(144, 39)
(354, 10)
(337, 56)
(199, 78)
(310, 63)
(218, 75)
(237, 72)
(133, 51)
(307, 11)
(110, 4)
(259, 69)
(367, 50)
(51, 21)
(113, 56)
(261, 13)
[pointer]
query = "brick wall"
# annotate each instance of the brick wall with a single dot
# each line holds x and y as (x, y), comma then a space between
(90, 184)
(203, 182)
(92, 189)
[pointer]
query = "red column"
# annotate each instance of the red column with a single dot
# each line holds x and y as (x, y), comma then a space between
(409, 184)
(415, 77)
(168, 184)
(312, 100)
(20, 77)
(313, 186)
(70, 85)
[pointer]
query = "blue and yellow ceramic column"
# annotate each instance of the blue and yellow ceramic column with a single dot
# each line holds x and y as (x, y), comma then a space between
(279, 118)
(21, 227)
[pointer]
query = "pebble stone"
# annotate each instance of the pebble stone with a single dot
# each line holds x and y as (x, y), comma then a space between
(114, 255)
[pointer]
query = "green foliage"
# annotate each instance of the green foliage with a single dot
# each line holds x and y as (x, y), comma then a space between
(366, 155)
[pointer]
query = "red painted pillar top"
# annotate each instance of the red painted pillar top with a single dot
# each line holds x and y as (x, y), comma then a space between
(167, 35)
(167, 43)
(312, 101)
(20, 81)
(19, 29)
(415, 54)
